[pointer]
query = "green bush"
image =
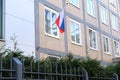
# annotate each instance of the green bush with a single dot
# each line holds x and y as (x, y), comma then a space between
(117, 69)
(92, 66)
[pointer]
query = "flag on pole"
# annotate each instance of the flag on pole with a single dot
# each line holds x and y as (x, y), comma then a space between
(60, 21)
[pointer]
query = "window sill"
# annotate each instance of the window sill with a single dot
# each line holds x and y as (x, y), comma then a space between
(56, 37)
(117, 56)
(93, 16)
(108, 53)
(78, 44)
(93, 49)
(113, 5)
(114, 30)
(104, 23)
(74, 5)
(2, 40)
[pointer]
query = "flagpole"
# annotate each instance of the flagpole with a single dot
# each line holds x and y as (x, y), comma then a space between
(61, 23)
(65, 34)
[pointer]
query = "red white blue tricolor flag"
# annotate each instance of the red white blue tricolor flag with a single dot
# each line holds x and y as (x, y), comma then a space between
(60, 21)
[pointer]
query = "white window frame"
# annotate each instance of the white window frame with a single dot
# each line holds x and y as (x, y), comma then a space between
(76, 4)
(92, 47)
(74, 42)
(114, 22)
(113, 2)
(50, 34)
(104, 15)
(115, 49)
(108, 44)
(91, 8)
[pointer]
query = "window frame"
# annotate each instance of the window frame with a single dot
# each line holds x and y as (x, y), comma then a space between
(50, 34)
(89, 8)
(104, 36)
(95, 38)
(80, 33)
(73, 3)
(106, 13)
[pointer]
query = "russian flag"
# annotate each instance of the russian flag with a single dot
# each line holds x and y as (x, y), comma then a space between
(60, 22)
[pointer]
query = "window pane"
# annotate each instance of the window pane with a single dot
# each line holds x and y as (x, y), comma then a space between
(72, 26)
(54, 27)
(74, 2)
(119, 4)
(90, 7)
(116, 48)
(93, 41)
(90, 33)
(47, 21)
(106, 44)
(77, 34)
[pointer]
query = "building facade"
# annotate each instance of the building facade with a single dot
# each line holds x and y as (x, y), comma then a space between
(91, 29)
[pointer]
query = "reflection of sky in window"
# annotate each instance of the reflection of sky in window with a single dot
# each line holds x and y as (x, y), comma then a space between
(75, 2)
(90, 7)
(72, 26)
(54, 27)
(77, 34)
(47, 18)
(107, 46)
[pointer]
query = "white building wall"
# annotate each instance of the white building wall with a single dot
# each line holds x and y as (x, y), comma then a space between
(19, 20)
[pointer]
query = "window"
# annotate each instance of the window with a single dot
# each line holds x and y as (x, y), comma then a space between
(113, 2)
(116, 48)
(118, 4)
(75, 32)
(1, 19)
(104, 15)
(90, 7)
(114, 22)
(106, 44)
(53, 58)
(93, 39)
(50, 26)
(74, 2)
